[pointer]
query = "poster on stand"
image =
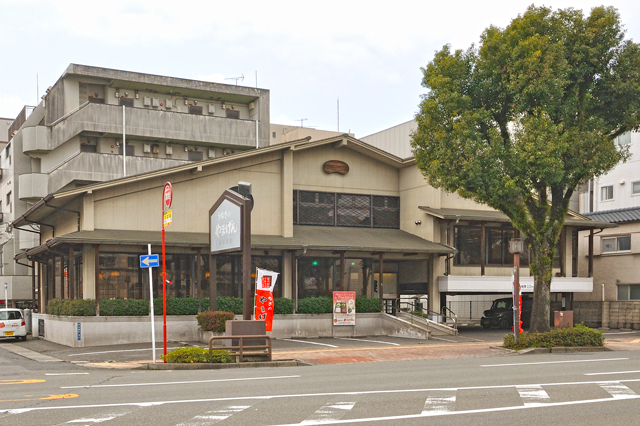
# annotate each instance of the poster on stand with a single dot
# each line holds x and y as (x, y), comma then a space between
(344, 308)
(265, 282)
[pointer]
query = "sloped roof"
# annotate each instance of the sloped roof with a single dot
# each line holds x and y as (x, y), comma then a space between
(629, 214)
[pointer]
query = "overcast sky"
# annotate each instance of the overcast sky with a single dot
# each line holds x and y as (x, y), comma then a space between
(308, 54)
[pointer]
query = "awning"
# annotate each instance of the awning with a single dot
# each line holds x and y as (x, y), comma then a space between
(504, 284)
(572, 219)
(304, 237)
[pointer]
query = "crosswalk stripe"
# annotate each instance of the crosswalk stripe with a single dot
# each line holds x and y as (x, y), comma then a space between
(215, 416)
(440, 402)
(617, 390)
(533, 395)
(103, 418)
(329, 413)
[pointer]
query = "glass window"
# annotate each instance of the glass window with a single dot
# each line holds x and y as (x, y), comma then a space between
(353, 210)
(616, 244)
(635, 189)
(316, 208)
(634, 292)
(623, 139)
(386, 212)
(623, 292)
(467, 241)
(606, 193)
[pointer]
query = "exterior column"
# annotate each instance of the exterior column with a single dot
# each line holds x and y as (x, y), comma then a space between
(89, 275)
(287, 279)
(433, 292)
(483, 249)
(213, 283)
(96, 268)
(287, 193)
(72, 275)
(590, 272)
(380, 282)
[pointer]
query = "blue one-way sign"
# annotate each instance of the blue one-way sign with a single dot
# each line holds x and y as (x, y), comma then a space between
(149, 261)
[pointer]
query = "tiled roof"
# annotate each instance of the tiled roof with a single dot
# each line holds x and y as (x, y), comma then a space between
(629, 214)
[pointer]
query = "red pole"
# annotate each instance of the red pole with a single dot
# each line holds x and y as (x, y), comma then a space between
(164, 293)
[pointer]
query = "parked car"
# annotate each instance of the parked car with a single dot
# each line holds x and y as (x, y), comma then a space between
(501, 313)
(12, 324)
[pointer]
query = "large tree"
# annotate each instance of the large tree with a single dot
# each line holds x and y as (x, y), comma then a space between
(521, 121)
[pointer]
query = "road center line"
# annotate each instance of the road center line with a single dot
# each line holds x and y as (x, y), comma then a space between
(64, 374)
(612, 372)
(554, 362)
(311, 343)
(178, 383)
(372, 341)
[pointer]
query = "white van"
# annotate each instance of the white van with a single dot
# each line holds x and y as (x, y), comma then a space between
(12, 324)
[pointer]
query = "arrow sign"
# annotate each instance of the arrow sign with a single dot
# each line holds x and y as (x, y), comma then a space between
(149, 261)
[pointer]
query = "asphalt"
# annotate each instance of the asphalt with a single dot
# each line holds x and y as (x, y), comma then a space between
(471, 342)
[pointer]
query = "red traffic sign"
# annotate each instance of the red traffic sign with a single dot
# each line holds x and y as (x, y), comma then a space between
(167, 195)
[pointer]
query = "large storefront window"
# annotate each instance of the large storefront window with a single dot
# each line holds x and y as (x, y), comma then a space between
(229, 273)
(467, 241)
(320, 276)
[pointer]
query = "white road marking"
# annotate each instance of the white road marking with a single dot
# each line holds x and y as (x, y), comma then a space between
(178, 383)
(329, 413)
(322, 394)
(372, 341)
(64, 374)
(612, 372)
(100, 420)
(554, 362)
(311, 343)
(456, 413)
(533, 395)
(215, 416)
(618, 390)
(124, 350)
(440, 402)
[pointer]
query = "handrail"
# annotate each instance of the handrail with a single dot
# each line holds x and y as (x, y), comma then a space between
(239, 349)
(452, 315)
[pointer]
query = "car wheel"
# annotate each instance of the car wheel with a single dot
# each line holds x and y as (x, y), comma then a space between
(24, 338)
(486, 325)
(505, 324)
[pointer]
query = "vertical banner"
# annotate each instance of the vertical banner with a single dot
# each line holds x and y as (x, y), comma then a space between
(265, 282)
(344, 308)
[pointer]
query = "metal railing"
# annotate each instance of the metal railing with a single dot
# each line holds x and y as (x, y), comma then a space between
(448, 313)
(239, 350)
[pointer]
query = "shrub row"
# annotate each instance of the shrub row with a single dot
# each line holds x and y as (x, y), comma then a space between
(579, 335)
(191, 306)
(192, 355)
(214, 320)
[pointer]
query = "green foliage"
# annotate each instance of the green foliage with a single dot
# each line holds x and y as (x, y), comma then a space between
(527, 117)
(367, 304)
(282, 305)
(576, 336)
(230, 304)
(315, 305)
(197, 355)
(214, 320)
(177, 305)
(124, 307)
(66, 307)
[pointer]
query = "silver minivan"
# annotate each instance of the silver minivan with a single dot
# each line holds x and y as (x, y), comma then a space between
(12, 324)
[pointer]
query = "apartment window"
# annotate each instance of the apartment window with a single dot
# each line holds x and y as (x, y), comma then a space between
(231, 113)
(9, 202)
(629, 292)
(624, 139)
(635, 188)
(616, 244)
(128, 102)
(606, 193)
(273, 134)
(196, 110)
(195, 155)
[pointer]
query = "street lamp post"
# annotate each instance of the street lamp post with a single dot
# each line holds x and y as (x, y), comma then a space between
(516, 246)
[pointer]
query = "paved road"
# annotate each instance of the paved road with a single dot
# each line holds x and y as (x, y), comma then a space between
(568, 389)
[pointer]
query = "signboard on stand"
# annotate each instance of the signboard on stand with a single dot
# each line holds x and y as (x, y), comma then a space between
(344, 308)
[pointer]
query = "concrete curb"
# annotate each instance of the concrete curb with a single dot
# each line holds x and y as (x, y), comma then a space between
(563, 349)
(210, 366)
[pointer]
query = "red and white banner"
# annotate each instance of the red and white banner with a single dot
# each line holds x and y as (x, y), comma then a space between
(265, 282)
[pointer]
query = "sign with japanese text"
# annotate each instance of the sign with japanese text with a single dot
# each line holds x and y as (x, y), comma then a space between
(265, 282)
(225, 227)
(167, 196)
(167, 218)
(344, 308)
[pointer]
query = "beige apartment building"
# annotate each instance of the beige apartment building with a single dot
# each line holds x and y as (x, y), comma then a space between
(332, 214)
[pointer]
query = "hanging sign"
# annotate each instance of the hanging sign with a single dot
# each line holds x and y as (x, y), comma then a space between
(344, 308)
(167, 218)
(167, 196)
(265, 283)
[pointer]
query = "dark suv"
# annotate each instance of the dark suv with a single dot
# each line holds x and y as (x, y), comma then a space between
(501, 313)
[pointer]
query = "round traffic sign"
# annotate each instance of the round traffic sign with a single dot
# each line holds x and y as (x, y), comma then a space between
(167, 195)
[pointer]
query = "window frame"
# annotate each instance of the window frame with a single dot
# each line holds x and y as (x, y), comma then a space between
(617, 244)
(609, 189)
(633, 188)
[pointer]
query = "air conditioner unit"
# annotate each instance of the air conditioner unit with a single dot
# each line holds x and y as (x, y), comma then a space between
(211, 108)
(155, 103)
(212, 153)
(169, 150)
(146, 148)
(169, 103)
(146, 101)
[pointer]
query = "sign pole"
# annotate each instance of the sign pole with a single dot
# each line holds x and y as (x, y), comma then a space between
(167, 199)
(153, 326)
(246, 258)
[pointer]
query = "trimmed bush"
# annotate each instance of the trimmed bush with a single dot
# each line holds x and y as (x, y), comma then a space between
(124, 307)
(315, 305)
(282, 305)
(66, 307)
(200, 355)
(367, 304)
(576, 336)
(230, 304)
(214, 320)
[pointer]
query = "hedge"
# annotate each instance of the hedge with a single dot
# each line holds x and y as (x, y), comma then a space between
(579, 335)
(214, 320)
(197, 355)
(367, 304)
(315, 305)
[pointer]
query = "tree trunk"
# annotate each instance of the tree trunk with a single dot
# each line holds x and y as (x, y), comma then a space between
(542, 270)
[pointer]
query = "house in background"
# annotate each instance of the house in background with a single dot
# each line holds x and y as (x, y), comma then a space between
(615, 198)
(75, 137)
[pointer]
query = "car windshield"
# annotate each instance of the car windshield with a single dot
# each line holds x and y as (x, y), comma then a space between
(9, 315)
(501, 304)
